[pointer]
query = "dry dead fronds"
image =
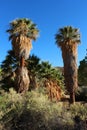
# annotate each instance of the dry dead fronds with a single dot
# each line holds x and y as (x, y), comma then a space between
(22, 46)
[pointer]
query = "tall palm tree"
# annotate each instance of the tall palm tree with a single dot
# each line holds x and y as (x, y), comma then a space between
(67, 39)
(22, 32)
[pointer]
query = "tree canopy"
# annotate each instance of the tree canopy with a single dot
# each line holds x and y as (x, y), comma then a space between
(82, 72)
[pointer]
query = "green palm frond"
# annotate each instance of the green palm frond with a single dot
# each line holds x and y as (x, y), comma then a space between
(10, 63)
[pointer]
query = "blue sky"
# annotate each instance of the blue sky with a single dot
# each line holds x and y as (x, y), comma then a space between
(49, 15)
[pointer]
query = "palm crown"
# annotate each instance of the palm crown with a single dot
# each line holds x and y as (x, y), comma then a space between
(23, 27)
(22, 31)
(67, 35)
(67, 39)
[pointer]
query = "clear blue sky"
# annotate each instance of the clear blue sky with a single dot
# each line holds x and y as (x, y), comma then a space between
(49, 15)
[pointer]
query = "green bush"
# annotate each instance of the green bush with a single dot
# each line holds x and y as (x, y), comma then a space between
(81, 94)
(33, 111)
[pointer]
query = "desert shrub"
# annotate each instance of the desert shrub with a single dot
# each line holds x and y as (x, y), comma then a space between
(33, 111)
(81, 94)
(79, 110)
(79, 114)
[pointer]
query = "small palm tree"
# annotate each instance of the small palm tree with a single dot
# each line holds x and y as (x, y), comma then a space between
(33, 65)
(9, 64)
(8, 68)
(52, 80)
(22, 32)
(67, 39)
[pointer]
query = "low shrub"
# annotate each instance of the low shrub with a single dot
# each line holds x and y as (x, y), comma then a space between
(33, 111)
(81, 94)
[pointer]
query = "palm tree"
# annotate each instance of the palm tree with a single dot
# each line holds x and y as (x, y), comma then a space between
(8, 68)
(22, 32)
(9, 64)
(53, 81)
(33, 65)
(67, 39)
(82, 72)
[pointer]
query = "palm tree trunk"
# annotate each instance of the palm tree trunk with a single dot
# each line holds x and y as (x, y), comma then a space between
(22, 80)
(72, 97)
(22, 62)
(70, 72)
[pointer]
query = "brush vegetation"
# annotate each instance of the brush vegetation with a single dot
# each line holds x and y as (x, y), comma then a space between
(34, 111)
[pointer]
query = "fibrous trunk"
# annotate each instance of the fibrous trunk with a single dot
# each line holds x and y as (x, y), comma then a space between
(22, 80)
(22, 62)
(70, 71)
(22, 46)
